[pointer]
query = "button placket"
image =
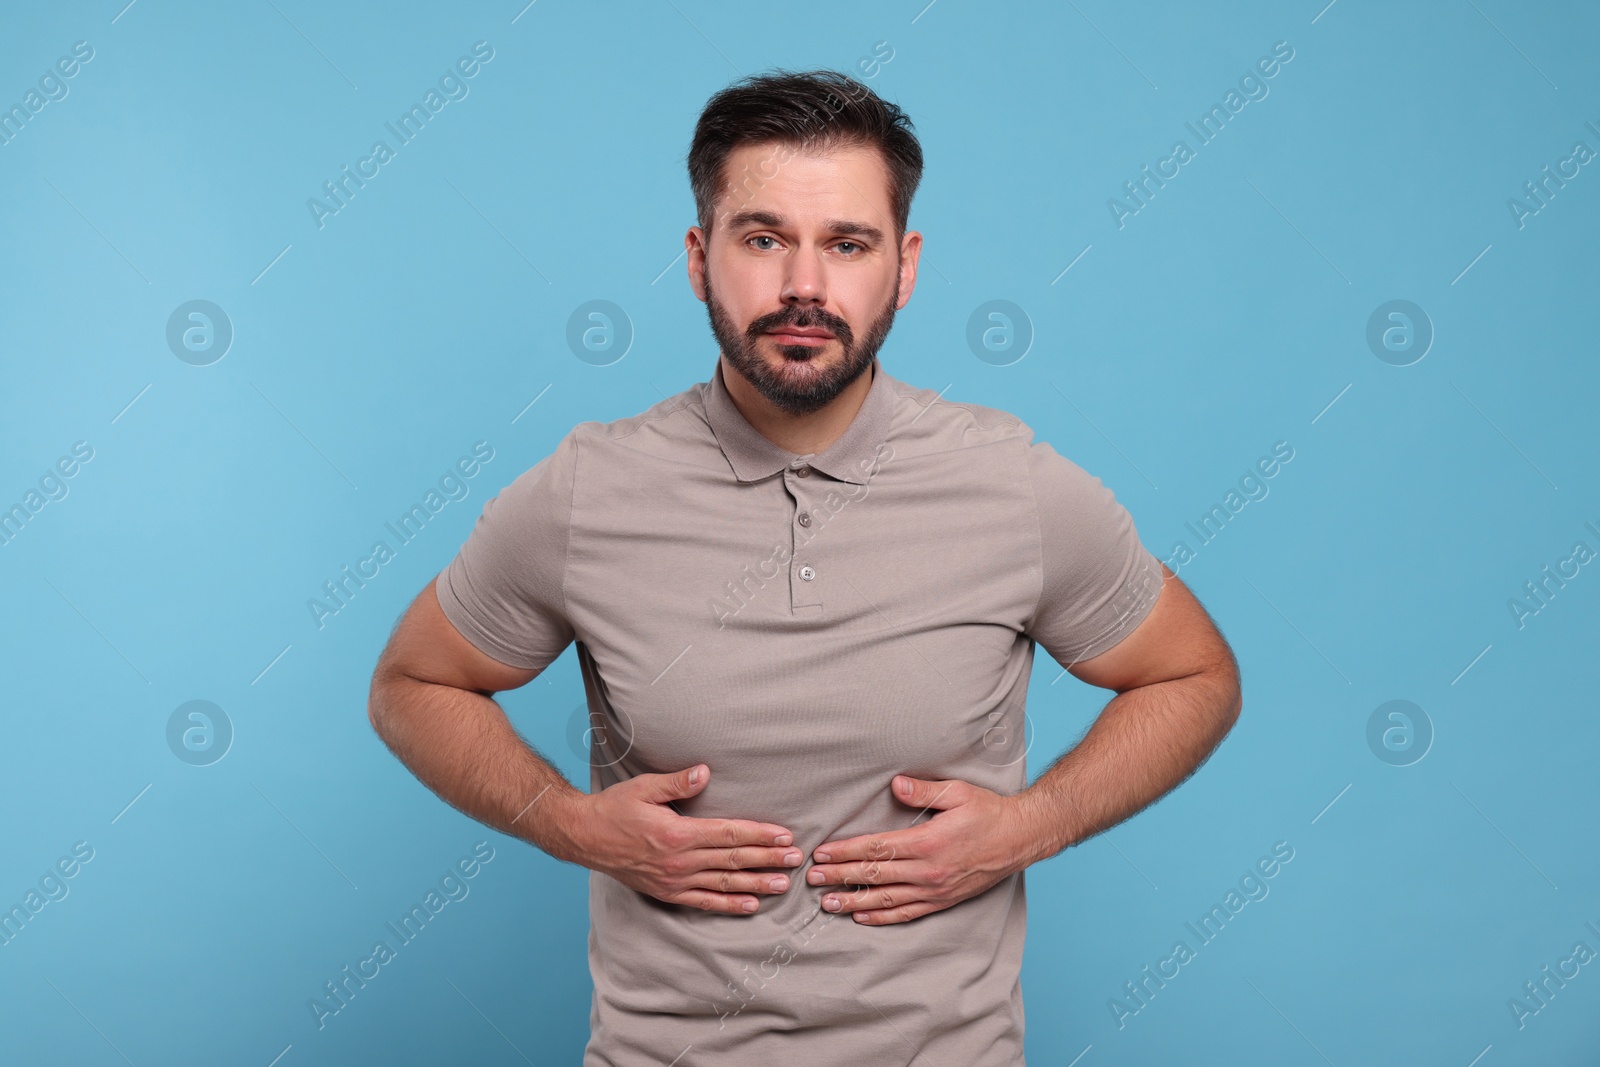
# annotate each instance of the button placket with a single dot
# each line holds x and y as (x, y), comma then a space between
(804, 587)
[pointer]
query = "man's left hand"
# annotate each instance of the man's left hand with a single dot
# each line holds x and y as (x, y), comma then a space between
(978, 838)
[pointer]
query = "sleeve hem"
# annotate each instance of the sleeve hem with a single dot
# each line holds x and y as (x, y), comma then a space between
(476, 635)
(1139, 593)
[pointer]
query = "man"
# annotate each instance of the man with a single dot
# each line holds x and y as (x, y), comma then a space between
(805, 597)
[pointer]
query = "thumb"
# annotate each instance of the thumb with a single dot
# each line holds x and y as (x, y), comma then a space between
(679, 785)
(923, 793)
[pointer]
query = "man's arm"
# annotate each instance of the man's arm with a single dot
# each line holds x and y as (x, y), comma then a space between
(430, 702)
(1178, 695)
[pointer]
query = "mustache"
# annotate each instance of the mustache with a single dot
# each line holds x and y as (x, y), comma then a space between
(810, 318)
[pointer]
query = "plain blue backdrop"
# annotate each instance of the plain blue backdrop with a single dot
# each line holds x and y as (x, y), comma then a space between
(1442, 859)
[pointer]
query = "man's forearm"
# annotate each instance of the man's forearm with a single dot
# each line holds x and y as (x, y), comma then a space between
(461, 745)
(1145, 742)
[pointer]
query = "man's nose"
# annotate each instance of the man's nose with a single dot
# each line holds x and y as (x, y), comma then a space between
(804, 282)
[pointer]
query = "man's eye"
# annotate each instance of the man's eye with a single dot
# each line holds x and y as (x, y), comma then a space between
(852, 245)
(762, 247)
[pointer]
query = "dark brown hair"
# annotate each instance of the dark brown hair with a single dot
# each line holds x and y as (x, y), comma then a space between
(804, 110)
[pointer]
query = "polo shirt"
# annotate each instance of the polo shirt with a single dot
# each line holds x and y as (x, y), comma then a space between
(808, 626)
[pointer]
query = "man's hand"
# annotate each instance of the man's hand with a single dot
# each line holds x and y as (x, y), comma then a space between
(978, 838)
(629, 832)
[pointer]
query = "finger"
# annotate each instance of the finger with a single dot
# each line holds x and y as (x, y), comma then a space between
(903, 913)
(896, 844)
(679, 785)
(748, 856)
(867, 872)
(876, 898)
(720, 903)
(937, 794)
(725, 882)
(732, 833)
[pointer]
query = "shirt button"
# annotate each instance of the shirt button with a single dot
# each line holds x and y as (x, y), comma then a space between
(805, 518)
(803, 472)
(806, 574)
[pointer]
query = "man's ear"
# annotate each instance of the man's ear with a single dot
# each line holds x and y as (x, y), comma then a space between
(694, 242)
(910, 250)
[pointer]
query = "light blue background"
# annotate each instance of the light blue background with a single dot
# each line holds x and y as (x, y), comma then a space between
(1227, 315)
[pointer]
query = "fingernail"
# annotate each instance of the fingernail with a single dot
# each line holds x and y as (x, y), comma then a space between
(830, 903)
(793, 859)
(815, 876)
(823, 857)
(694, 776)
(779, 884)
(750, 905)
(783, 839)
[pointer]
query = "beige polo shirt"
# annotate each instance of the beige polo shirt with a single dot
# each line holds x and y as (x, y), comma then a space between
(807, 626)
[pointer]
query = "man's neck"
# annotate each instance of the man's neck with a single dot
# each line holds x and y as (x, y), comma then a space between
(803, 435)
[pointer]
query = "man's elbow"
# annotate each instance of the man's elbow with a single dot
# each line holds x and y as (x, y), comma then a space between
(1231, 694)
(381, 700)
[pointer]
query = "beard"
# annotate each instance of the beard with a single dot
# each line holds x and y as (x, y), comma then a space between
(803, 383)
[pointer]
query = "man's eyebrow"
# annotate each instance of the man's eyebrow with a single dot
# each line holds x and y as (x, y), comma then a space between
(741, 219)
(855, 229)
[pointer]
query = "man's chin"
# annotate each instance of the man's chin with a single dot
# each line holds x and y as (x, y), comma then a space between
(801, 353)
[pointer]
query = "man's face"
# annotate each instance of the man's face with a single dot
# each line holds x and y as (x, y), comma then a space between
(807, 272)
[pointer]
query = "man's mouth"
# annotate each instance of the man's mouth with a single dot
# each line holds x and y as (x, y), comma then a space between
(811, 336)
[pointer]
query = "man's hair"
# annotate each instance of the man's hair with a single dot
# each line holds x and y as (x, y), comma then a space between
(806, 111)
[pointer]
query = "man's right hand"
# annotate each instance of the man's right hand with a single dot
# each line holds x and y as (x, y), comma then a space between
(629, 832)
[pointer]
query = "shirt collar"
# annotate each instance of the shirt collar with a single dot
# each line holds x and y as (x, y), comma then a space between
(851, 458)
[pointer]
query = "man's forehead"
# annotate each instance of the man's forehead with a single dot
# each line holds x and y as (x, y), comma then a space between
(807, 185)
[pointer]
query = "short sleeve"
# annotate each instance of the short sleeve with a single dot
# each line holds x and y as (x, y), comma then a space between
(504, 590)
(1098, 580)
